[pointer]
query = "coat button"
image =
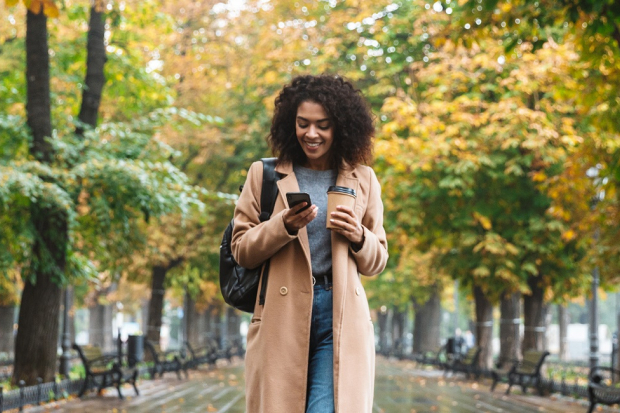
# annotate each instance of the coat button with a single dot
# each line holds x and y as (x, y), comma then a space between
(357, 291)
(283, 290)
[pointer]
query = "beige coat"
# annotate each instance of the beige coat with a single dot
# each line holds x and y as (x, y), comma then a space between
(278, 337)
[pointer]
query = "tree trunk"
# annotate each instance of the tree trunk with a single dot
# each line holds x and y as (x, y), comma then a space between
(38, 84)
(156, 304)
(209, 324)
(192, 320)
(484, 327)
(383, 332)
(219, 316)
(617, 366)
(534, 314)
(509, 331)
(100, 325)
(426, 333)
(233, 321)
(95, 79)
(7, 318)
(144, 312)
(35, 344)
(37, 334)
(563, 324)
(398, 330)
(203, 331)
(71, 313)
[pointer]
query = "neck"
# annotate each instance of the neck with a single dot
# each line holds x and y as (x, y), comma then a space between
(316, 165)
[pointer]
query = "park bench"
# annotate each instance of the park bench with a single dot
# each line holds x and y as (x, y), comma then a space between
(603, 387)
(234, 348)
(523, 373)
(104, 370)
(500, 372)
(164, 361)
(199, 355)
(220, 352)
(433, 358)
(467, 364)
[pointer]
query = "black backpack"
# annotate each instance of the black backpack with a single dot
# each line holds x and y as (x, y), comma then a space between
(239, 285)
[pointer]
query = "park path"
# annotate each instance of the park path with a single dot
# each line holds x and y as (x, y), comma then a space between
(399, 388)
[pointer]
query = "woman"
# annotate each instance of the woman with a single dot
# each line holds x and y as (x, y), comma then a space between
(310, 347)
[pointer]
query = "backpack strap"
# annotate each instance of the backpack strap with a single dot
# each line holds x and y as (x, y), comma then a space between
(268, 195)
(269, 190)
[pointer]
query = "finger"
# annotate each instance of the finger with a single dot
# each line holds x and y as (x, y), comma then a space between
(302, 219)
(292, 214)
(312, 214)
(347, 234)
(343, 225)
(304, 214)
(346, 209)
(298, 207)
(338, 216)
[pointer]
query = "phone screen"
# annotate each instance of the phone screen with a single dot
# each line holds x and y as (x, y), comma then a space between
(295, 198)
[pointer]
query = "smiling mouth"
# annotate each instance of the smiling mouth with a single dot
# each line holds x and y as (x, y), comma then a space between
(312, 144)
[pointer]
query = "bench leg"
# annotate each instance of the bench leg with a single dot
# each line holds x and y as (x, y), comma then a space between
(495, 380)
(84, 386)
(510, 383)
(539, 386)
(134, 378)
(592, 406)
(118, 388)
(117, 381)
(178, 367)
(524, 382)
(104, 384)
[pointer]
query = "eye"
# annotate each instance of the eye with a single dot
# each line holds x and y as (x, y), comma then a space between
(302, 126)
(324, 127)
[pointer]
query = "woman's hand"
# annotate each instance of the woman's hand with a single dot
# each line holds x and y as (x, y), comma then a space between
(346, 222)
(294, 221)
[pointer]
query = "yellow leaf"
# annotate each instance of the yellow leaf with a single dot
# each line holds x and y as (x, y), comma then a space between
(34, 6)
(484, 221)
(569, 235)
(539, 177)
(11, 3)
(50, 9)
(99, 6)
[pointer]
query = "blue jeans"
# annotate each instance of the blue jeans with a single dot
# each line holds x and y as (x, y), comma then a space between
(320, 392)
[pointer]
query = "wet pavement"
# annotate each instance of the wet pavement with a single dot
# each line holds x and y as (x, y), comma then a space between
(400, 387)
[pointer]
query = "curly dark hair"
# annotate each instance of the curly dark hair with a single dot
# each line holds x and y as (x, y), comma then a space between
(352, 120)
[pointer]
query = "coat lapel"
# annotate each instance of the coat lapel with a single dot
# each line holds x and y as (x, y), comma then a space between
(288, 183)
(340, 255)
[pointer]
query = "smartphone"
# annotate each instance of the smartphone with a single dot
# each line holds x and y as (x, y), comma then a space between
(295, 198)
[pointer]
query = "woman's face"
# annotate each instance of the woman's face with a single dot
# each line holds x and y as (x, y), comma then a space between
(315, 134)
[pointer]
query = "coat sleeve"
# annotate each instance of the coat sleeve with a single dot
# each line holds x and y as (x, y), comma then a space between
(372, 257)
(254, 242)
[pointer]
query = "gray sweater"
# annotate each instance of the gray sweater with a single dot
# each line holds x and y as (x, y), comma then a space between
(315, 183)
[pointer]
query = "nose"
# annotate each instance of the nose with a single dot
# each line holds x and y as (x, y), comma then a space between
(312, 132)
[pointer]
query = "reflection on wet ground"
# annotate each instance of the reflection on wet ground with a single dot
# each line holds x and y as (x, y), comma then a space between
(400, 387)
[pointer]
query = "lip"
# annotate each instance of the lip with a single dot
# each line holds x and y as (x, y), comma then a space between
(308, 143)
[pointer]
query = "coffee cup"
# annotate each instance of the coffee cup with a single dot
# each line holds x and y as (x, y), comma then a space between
(339, 195)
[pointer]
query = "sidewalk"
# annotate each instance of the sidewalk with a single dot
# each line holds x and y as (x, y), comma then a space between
(400, 388)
